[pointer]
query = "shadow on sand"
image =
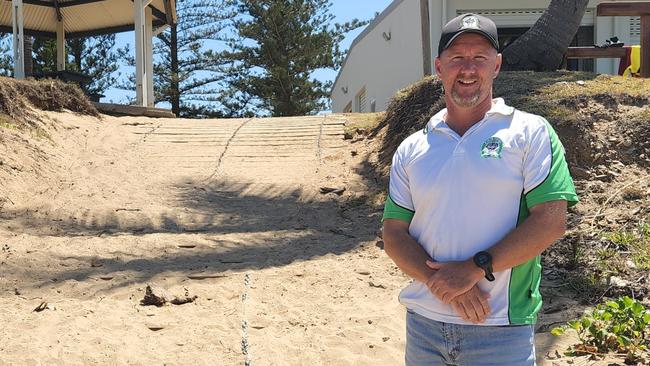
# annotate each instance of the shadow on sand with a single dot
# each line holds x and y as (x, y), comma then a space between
(235, 226)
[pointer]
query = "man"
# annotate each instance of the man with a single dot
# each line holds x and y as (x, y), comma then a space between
(474, 199)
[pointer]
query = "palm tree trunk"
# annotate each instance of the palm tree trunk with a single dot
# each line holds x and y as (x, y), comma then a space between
(543, 46)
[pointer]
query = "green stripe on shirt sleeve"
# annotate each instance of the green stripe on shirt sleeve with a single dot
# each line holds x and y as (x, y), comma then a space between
(394, 211)
(558, 185)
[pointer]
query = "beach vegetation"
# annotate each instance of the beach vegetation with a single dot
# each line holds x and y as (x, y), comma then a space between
(619, 325)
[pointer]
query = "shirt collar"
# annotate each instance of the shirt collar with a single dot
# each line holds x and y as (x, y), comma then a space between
(498, 107)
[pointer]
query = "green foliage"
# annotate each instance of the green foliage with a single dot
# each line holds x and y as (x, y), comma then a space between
(618, 326)
(44, 55)
(276, 48)
(187, 71)
(6, 61)
(636, 241)
(95, 57)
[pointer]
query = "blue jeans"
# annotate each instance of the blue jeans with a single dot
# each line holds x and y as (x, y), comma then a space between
(430, 343)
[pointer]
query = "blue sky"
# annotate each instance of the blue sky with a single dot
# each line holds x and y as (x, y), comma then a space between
(343, 10)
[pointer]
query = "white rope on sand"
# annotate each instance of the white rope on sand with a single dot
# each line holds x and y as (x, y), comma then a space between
(245, 346)
(318, 141)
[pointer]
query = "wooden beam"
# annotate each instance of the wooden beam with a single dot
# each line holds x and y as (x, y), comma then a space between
(168, 12)
(595, 52)
(426, 37)
(60, 46)
(623, 8)
(108, 30)
(48, 4)
(132, 110)
(157, 13)
(140, 71)
(30, 32)
(59, 17)
(645, 46)
(18, 38)
(66, 4)
(148, 56)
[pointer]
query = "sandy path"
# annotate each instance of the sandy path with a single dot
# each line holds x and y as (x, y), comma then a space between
(155, 201)
(228, 210)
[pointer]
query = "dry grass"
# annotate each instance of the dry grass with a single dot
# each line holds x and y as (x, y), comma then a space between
(362, 123)
(18, 99)
(408, 111)
(571, 101)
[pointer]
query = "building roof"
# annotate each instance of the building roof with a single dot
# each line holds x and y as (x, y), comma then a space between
(374, 23)
(82, 18)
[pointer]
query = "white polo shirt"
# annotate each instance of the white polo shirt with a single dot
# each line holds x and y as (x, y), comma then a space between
(462, 194)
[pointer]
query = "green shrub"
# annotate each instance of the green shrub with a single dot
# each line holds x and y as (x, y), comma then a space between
(616, 326)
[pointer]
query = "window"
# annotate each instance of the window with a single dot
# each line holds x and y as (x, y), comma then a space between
(361, 100)
(635, 30)
(348, 108)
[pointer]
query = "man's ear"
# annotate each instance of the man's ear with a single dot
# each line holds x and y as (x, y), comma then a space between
(497, 67)
(436, 64)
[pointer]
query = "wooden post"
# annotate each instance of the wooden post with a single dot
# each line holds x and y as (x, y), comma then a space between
(426, 37)
(140, 72)
(645, 46)
(632, 8)
(18, 45)
(60, 46)
(148, 52)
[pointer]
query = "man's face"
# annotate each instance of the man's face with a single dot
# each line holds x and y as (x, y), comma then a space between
(467, 69)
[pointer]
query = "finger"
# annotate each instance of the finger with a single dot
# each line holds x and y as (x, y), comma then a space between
(440, 294)
(483, 298)
(471, 313)
(452, 295)
(448, 297)
(485, 306)
(430, 282)
(477, 308)
(433, 265)
(460, 309)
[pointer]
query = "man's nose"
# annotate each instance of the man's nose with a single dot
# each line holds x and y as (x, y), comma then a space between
(468, 65)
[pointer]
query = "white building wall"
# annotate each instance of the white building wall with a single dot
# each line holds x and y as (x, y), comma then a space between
(382, 66)
(604, 27)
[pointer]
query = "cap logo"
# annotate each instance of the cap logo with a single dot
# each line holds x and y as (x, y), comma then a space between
(470, 22)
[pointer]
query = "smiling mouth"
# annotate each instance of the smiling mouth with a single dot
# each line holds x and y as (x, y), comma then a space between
(466, 82)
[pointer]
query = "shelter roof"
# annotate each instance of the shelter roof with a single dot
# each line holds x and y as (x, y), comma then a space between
(83, 18)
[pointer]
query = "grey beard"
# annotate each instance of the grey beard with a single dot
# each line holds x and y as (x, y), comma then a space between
(463, 101)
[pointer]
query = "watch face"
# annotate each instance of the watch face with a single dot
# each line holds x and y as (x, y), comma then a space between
(483, 259)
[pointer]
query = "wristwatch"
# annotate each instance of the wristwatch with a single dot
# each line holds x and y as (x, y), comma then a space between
(483, 260)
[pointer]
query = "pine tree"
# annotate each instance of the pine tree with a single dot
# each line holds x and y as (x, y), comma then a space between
(278, 44)
(6, 59)
(186, 69)
(95, 57)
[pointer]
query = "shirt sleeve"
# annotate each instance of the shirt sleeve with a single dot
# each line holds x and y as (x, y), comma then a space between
(546, 174)
(399, 204)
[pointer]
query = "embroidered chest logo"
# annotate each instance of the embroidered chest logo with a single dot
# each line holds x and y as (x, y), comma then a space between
(491, 148)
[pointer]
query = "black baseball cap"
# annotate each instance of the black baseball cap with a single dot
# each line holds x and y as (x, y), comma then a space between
(467, 23)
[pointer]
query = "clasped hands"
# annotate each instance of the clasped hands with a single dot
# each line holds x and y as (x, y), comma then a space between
(454, 283)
